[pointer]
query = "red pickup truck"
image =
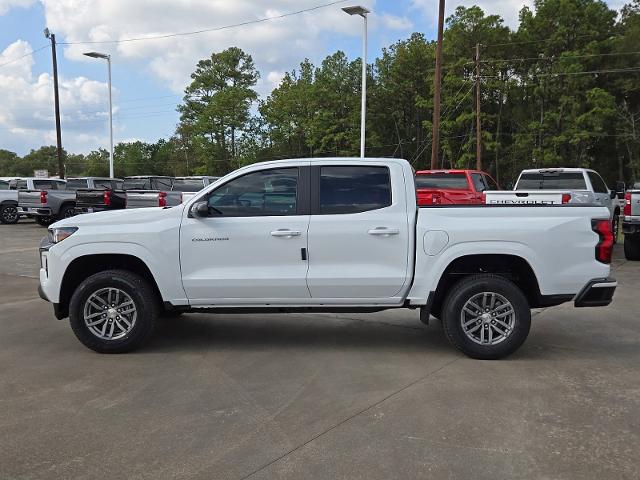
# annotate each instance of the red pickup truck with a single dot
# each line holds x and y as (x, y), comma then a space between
(441, 187)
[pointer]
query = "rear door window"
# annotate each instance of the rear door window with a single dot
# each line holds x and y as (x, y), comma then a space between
(444, 181)
(4, 185)
(346, 189)
(491, 183)
(20, 185)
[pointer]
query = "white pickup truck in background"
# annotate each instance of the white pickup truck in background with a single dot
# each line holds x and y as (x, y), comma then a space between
(631, 224)
(314, 235)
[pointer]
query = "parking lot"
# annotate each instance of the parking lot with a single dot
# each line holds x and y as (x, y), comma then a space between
(315, 396)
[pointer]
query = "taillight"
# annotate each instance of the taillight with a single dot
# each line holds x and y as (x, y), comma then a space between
(566, 198)
(162, 199)
(43, 197)
(627, 204)
(604, 248)
(106, 197)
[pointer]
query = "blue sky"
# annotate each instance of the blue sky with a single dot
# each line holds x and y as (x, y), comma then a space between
(149, 76)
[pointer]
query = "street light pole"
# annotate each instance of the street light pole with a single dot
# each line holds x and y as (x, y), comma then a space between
(358, 10)
(108, 59)
(56, 102)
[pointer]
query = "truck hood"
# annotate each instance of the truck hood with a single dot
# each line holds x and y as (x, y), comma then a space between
(120, 217)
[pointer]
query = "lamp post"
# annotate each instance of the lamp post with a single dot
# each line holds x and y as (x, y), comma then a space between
(358, 10)
(108, 59)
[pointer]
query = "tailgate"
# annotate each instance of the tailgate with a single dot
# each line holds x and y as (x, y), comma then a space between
(522, 197)
(29, 199)
(90, 198)
(141, 198)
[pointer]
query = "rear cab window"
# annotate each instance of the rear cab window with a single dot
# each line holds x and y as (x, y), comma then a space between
(137, 184)
(49, 184)
(353, 189)
(444, 181)
(188, 184)
(164, 184)
(76, 183)
(551, 181)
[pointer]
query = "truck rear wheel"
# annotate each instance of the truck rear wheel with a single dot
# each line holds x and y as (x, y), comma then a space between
(113, 311)
(486, 317)
(9, 213)
(632, 247)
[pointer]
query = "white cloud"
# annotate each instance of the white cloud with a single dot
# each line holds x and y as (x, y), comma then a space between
(393, 22)
(6, 5)
(276, 46)
(27, 115)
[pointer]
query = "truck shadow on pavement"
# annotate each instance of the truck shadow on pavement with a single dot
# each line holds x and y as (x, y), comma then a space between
(321, 332)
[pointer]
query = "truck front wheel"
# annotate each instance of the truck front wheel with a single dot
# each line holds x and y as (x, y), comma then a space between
(44, 220)
(486, 317)
(113, 311)
(632, 247)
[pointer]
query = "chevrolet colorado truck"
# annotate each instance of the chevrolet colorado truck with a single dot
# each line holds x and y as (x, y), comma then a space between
(8, 204)
(318, 235)
(631, 224)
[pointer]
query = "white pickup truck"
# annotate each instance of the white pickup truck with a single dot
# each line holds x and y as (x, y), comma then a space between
(313, 235)
(631, 223)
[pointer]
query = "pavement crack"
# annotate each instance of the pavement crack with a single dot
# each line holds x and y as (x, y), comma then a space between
(349, 418)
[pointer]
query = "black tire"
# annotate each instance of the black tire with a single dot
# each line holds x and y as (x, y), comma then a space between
(632, 247)
(66, 211)
(463, 292)
(9, 213)
(144, 300)
(44, 221)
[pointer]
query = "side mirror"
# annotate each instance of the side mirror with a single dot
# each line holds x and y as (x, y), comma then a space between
(199, 209)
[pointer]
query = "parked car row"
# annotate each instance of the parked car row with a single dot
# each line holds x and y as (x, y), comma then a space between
(49, 199)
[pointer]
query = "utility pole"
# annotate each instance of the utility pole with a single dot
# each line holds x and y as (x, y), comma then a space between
(56, 99)
(478, 125)
(437, 81)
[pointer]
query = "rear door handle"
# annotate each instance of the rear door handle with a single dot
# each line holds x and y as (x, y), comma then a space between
(284, 232)
(383, 231)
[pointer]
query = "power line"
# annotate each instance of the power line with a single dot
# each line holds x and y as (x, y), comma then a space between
(206, 30)
(559, 57)
(589, 72)
(25, 55)
(528, 42)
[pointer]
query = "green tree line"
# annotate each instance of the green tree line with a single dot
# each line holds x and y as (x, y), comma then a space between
(561, 89)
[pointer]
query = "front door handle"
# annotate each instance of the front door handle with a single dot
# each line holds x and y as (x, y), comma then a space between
(285, 232)
(383, 231)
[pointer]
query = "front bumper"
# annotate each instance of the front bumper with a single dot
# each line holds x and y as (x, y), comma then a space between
(596, 293)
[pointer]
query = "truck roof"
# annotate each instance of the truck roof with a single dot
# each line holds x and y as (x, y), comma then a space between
(93, 178)
(557, 170)
(148, 176)
(427, 172)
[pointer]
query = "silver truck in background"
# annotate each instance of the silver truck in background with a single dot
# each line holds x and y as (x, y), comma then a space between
(631, 223)
(189, 186)
(8, 204)
(151, 191)
(48, 200)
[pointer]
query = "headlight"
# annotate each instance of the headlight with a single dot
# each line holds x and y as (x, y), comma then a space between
(58, 234)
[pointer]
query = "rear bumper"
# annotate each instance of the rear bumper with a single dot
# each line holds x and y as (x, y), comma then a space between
(34, 211)
(631, 225)
(80, 210)
(596, 293)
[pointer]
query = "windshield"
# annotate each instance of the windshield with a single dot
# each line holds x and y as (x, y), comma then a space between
(451, 181)
(188, 184)
(552, 181)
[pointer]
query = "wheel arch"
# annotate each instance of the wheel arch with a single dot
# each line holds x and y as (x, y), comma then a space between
(513, 267)
(84, 266)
